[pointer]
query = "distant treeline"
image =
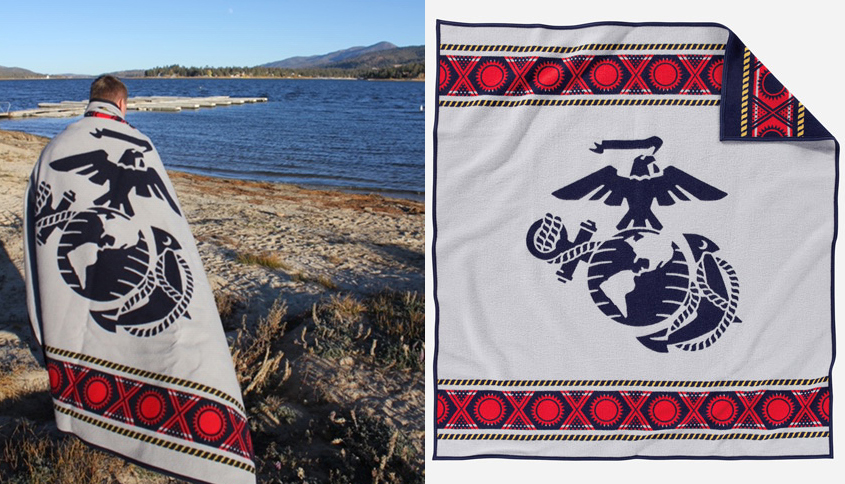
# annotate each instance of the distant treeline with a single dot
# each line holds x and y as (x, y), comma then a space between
(407, 71)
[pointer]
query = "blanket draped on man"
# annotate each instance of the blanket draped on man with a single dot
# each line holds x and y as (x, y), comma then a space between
(634, 229)
(137, 359)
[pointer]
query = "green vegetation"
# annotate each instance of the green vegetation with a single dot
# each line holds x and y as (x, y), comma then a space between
(408, 71)
(388, 328)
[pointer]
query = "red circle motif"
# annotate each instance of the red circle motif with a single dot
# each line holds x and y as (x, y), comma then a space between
(606, 410)
(491, 76)
(548, 410)
(606, 75)
(97, 392)
(442, 408)
(445, 74)
(715, 74)
(777, 409)
(665, 411)
(549, 77)
(150, 407)
(55, 377)
(209, 422)
(490, 409)
(665, 74)
(824, 406)
(722, 410)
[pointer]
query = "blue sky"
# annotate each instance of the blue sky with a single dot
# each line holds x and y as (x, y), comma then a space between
(93, 37)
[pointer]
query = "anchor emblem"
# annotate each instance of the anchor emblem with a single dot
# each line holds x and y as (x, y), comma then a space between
(639, 276)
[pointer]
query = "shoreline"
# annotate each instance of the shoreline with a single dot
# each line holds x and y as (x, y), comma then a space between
(362, 242)
(212, 77)
(410, 195)
(394, 194)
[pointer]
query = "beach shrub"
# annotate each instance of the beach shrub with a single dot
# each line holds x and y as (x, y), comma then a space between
(388, 328)
(30, 456)
(401, 318)
(227, 306)
(338, 330)
(347, 449)
(377, 453)
(256, 364)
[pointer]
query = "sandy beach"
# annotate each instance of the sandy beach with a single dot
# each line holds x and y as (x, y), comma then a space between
(320, 294)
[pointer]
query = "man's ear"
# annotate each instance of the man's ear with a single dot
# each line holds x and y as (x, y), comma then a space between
(122, 105)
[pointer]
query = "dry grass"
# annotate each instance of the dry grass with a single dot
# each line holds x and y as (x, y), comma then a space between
(255, 363)
(372, 444)
(399, 314)
(400, 317)
(346, 307)
(326, 282)
(264, 259)
(299, 434)
(355, 449)
(32, 457)
(322, 280)
(388, 328)
(338, 328)
(227, 305)
(10, 388)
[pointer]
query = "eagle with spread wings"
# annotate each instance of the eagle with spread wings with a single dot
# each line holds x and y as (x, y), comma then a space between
(127, 174)
(645, 184)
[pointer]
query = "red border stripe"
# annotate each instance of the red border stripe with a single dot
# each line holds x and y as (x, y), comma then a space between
(194, 418)
(642, 409)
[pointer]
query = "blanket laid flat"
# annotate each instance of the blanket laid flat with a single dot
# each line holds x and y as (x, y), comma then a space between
(633, 247)
(118, 298)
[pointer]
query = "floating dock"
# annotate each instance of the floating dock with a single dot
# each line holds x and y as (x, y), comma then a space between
(67, 109)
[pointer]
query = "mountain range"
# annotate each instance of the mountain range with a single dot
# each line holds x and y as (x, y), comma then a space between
(325, 60)
(377, 56)
(17, 73)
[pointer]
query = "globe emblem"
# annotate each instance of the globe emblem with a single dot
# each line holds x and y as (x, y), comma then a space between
(97, 260)
(638, 277)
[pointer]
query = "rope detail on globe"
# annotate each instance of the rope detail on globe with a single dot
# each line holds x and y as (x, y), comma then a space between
(54, 219)
(641, 277)
(183, 298)
(48, 218)
(42, 196)
(548, 235)
(729, 316)
(576, 252)
(145, 290)
(709, 293)
(171, 292)
(690, 304)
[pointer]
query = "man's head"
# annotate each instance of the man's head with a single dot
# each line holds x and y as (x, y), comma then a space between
(109, 88)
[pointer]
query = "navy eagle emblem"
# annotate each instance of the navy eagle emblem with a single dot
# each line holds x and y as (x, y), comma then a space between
(133, 274)
(677, 292)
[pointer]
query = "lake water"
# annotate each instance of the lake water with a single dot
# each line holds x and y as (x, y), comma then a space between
(355, 135)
